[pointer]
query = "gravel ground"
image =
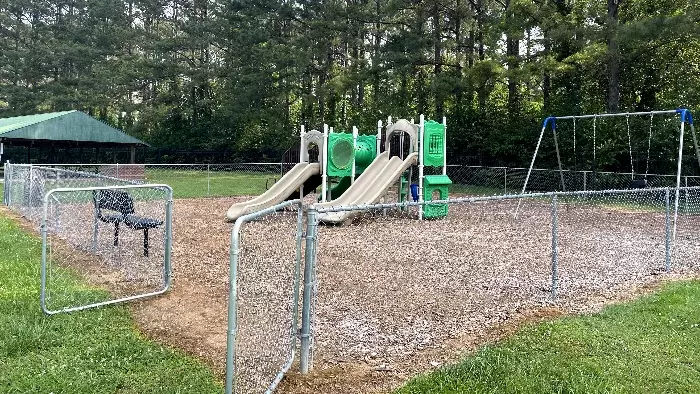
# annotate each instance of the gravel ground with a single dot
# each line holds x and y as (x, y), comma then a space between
(396, 296)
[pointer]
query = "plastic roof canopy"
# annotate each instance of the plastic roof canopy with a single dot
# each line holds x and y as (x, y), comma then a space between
(63, 126)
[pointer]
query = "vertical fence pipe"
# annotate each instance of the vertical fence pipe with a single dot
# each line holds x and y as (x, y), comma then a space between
(309, 262)
(232, 306)
(555, 248)
(584, 181)
(167, 265)
(209, 180)
(420, 165)
(668, 229)
(5, 173)
(505, 180)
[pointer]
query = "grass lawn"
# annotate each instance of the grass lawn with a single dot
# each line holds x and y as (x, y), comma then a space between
(98, 351)
(649, 345)
(194, 184)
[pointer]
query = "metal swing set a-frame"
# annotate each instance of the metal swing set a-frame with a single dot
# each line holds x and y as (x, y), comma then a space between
(685, 116)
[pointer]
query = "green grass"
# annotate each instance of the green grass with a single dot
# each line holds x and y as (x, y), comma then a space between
(194, 184)
(650, 345)
(97, 351)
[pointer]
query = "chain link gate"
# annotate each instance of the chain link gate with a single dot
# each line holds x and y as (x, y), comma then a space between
(115, 238)
(265, 261)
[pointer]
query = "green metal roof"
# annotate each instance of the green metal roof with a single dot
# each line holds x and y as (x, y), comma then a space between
(63, 126)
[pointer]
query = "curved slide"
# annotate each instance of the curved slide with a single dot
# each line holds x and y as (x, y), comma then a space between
(369, 187)
(300, 174)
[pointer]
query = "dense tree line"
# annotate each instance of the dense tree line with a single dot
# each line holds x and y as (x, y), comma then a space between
(241, 76)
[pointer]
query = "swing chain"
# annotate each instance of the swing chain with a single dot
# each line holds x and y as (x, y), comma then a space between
(651, 128)
(629, 142)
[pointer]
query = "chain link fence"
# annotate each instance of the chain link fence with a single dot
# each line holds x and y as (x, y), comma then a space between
(475, 180)
(194, 180)
(111, 234)
(250, 179)
(392, 290)
(26, 185)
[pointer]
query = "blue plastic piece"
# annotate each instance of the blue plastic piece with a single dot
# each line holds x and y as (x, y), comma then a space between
(685, 113)
(547, 120)
(414, 192)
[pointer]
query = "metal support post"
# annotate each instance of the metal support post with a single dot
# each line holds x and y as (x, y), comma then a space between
(420, 166)
(668, 230)
(309, 279)
(555, 248)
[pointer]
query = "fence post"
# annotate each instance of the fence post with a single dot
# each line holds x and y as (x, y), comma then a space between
(505, 180)
(555, 248)
(668, 230)
(117, 176)
(232, 306)
(5, 176)
(309, 262)
(208, 180)
(584, 181)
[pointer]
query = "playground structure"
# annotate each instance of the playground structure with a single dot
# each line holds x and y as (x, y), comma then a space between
(363, 174)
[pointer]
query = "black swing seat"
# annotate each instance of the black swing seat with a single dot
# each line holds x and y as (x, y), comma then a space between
(117, 206)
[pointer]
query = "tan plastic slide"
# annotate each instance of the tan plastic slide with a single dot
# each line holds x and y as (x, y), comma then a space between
(288, 184)
(369, 187)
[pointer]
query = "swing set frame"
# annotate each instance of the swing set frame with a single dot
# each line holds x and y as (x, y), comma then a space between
(685, 116)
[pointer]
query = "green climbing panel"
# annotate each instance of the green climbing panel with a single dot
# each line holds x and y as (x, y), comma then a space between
(340, 154)
(434, 144)
(435, 187)
(365, 152)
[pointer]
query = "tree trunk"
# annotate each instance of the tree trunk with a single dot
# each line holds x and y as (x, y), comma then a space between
(613, 101)
(513, 62)
(547, 77)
